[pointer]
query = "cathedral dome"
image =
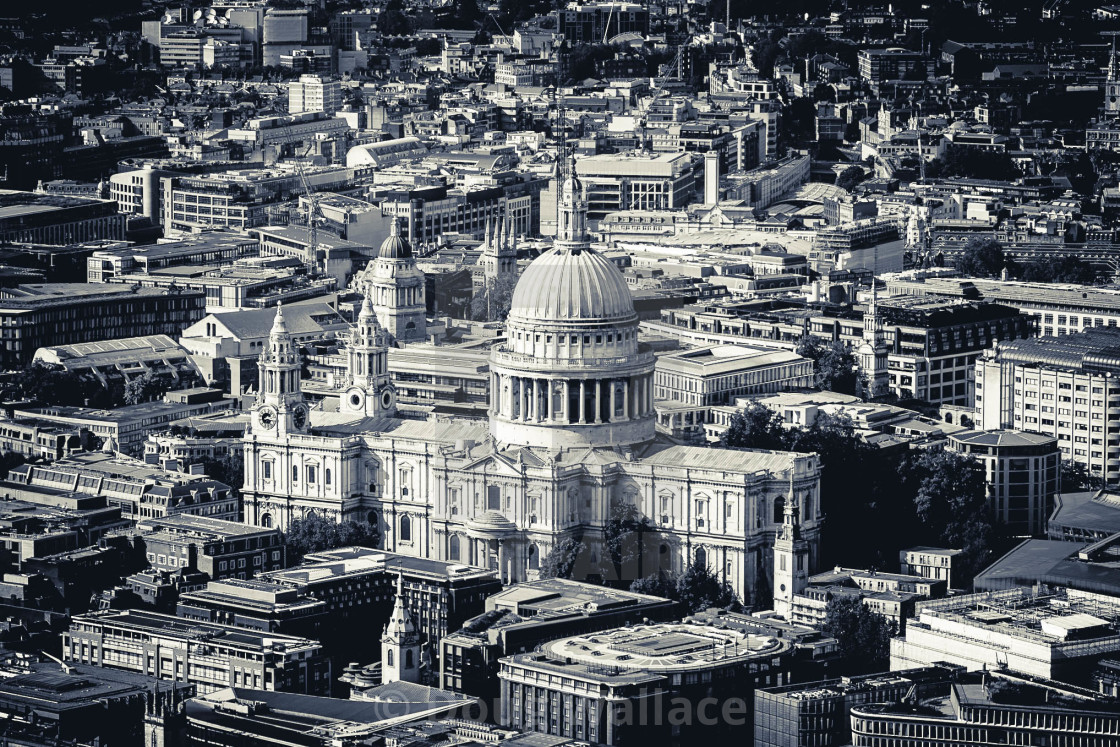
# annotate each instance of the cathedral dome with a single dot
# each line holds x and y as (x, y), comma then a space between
(570, 284)
(395, 247)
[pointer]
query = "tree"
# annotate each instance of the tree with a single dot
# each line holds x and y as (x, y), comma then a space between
(315, 533)
(951, 504)
(1076, 477)
(755, 427)
(698, 589)
(565, 557)
(8, 460)
(1067, 269)
(838, 369)
(863, 636)
(625, 536)
(44, 382)
(850, 177)
(660, 584)
(229, 469)
(146, 387)
(492, 302)
(981, 258)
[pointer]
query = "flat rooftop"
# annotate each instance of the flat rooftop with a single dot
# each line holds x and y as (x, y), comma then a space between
(169, 625)
(667, 647)
(360, 560)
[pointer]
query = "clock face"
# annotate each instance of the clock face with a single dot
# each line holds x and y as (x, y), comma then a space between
(299, 417)
(266, 417)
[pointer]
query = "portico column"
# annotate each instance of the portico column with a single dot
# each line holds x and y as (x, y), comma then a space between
(626, 399)
(524, 399)
(566, 404)
(548, 397)
(502, 560)
(582, 401)
(610, 414)
(533, 411)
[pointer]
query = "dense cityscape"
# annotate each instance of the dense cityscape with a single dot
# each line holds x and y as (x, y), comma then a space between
(430, 373)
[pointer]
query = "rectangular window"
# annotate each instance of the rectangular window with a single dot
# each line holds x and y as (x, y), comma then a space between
(266, 470)
(311, 475)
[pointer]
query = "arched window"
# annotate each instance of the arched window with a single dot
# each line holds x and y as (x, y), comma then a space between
(453, 547)
(779, 510)
(701, 558)
(389, 657)
(266, 521)
(408, 659)
(534, 558)
(371, 518)
(406, 529)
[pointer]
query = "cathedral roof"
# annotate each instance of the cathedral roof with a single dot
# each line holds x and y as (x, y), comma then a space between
(572, 284)
(395, 247)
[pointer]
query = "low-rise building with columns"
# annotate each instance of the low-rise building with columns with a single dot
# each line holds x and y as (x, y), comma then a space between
(571, 436)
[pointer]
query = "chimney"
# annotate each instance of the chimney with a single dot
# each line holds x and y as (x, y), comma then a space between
(711, 178)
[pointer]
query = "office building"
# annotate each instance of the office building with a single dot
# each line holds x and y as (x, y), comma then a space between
(44, 702)
(998, 710)
(41, 315)
(1055, 633)
(125, 429)
(210, 657)
(139, 490)
(112, 363)
(634, 181)
(1059, 308)
(239, 716)
(33, 218)
(716, 375)
(1021, 472)
(599, 22)
(818, 713)
(206, 251)
(237, 200)
(930, 562)
(933, 346)
(220, 549)
(617, 685)
(338, 595)
(525, 615)
(1064, 387)
(880, 65)
(892, 595)
(314, 93)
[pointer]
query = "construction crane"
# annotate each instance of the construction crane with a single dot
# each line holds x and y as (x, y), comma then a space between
(314, 213)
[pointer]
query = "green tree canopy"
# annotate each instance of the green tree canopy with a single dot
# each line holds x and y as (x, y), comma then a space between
(626, 536)
(981, 258)
(850, 177)
(864, 637)
(315, 533)
(492, 301)
(566, 556)
(146, 387)
(951, 504)
(697, 589)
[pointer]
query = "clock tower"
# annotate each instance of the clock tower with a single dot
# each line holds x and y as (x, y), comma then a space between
(370, 391)
(280, 408)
